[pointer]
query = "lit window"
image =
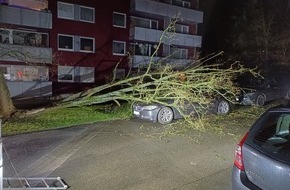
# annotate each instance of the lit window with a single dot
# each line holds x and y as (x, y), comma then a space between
(65, 42)
(87, 14)
(119, 20)
(65, 73)
(65, 10)
(87, 44)
(119, 48)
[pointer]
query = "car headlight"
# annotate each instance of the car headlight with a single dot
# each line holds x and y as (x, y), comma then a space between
(151, 107)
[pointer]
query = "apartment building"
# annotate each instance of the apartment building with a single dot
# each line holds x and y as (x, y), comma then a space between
(25, 54)
(73, 45)
(89, 39)
(148, 20)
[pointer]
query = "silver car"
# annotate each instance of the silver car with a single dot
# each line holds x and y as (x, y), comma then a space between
(165, 114)
(262, 158)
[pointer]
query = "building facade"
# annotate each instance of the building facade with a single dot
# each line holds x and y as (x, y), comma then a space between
(69, 45)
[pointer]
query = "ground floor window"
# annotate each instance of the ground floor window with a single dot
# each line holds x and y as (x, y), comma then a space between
(24, 73)
(76, 74)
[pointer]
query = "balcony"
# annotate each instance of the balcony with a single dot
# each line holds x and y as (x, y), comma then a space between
(25, 17)
(151, 35)
(21, 89)
(139, 61)
(166, 10)
(18, 53)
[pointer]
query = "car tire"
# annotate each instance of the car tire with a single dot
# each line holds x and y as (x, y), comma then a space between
(260, 100)
(223, 107)
(165, 115)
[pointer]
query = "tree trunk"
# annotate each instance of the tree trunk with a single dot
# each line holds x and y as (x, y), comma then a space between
(6, 105)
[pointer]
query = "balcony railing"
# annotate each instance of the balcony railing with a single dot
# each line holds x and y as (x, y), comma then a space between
(25, 17)
(28, 54)
(19, 89)
(166, 10)
(151, 35)
(139, 61)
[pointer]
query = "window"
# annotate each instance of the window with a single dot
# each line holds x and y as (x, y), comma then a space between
(65, 73)
(87, 44)
(186, 4)
(181, 3)
(119, 48)
(272, 135)
(87, 14)
(181, 29)
(28, 38)
(87, 74)
(143, 49)
(76, 74)
(65, 10)
(119, 20)
(178, 53)
(144, 23)
(24, 73)
(65, 42)
(4, 36)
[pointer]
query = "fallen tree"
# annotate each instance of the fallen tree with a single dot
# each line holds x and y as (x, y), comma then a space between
(199, 83)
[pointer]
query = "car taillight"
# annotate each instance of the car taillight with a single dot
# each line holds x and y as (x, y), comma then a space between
(239, 154)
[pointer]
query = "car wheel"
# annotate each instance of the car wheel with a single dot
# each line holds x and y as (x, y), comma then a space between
(223, 107)
(260, 100)
(165, 115)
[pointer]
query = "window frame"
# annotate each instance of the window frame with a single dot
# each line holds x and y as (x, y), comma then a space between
(125, 20)
(186, 4)
(120, 54)
(72, 70)
(146, 19)
(81, 6)
(87, 51)
(63, 17)
(91, 80)
(65, 49)
(180, 52)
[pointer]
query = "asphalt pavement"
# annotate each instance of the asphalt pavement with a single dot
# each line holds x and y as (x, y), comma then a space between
(126, 154)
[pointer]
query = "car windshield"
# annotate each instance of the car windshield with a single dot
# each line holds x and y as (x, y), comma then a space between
(270, 135)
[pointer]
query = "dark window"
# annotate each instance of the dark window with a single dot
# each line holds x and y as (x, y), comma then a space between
(87, 44)
(65, 42)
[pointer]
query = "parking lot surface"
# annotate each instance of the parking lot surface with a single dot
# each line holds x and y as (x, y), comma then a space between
(126, 154)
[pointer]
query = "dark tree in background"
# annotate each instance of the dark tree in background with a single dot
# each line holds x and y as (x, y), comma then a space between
(256, 32)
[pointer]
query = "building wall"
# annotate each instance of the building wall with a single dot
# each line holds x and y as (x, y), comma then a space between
(101, 30)
(79, 54)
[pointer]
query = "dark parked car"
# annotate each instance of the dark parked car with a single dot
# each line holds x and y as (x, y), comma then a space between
(165, 114)
(262, 91)
(262, 158)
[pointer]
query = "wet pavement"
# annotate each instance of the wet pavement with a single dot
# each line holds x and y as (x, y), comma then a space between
(126, 154)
